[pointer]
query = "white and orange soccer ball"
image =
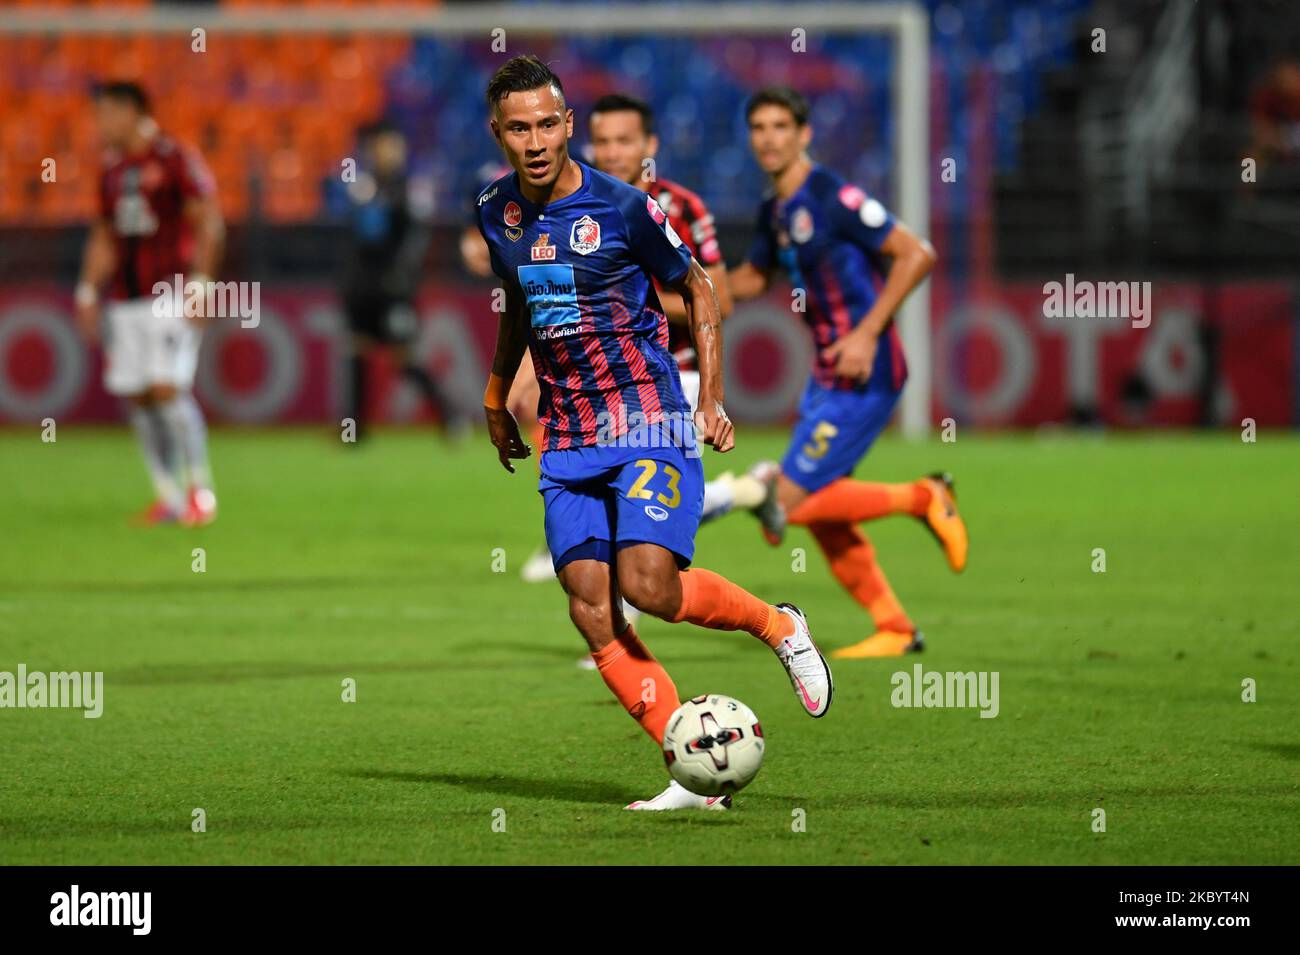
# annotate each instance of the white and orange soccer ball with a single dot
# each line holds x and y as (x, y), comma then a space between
(713, 745)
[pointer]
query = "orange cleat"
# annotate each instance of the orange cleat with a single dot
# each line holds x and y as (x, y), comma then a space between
(882, 643)
(159, 512)
(944, 522)
(201, 509)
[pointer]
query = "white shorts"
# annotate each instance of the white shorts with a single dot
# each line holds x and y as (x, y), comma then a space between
(143, 349)
(691, 388)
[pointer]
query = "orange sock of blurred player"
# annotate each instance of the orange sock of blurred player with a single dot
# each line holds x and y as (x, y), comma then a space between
(852, 501)
(644, 687)
(711, 600)
(853, 562)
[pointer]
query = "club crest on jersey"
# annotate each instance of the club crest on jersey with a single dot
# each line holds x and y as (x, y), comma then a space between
(514, 235)
(542, 250)
(801, 225)
(513, 214)
(584, 237)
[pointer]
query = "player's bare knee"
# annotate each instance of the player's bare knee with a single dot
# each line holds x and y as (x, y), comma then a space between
(593, 618)
(651, 590)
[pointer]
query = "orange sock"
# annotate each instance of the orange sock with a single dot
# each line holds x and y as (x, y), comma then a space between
(644, 687)
(711, 600)
(852, 501)
(853, 562)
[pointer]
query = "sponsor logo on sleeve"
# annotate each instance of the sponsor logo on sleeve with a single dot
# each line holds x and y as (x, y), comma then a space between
(852, 196)
(673, 237)
(872, 214)
(656, 208)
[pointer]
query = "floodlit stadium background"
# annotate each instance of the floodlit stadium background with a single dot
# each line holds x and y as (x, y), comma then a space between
(1122, 165)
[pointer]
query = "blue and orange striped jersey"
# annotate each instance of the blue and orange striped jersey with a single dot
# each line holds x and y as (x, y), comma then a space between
(583, 266)
(826, 238)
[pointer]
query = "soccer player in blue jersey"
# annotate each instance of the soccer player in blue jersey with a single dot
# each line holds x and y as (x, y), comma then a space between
(577, 252)
(856, 264)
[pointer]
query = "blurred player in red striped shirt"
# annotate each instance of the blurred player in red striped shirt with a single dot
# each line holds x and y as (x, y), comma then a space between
(158, 221)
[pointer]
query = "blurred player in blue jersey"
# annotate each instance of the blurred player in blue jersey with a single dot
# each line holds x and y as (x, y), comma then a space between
(578, 252)
(856, 264)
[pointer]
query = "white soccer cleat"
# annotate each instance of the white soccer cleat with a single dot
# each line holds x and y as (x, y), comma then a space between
(538, 567)
(809, 674)
(677, 796)
(770, 513)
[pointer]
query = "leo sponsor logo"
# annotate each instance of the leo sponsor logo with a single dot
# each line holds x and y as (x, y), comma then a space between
(513, 215)
(542, 250)
(584, 237)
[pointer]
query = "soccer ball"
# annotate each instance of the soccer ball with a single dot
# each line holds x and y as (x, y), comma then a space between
(713, 745)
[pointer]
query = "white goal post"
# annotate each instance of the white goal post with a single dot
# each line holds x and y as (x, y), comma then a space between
(906, 22)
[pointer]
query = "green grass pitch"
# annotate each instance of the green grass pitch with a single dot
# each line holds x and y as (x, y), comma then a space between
(1119, 690)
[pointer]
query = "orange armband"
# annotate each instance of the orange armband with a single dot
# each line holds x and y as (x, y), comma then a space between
(498, 390)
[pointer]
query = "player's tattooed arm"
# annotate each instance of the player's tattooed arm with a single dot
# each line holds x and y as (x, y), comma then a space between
(97, 265)
(704, 316)
(912, 258)
(512, 343)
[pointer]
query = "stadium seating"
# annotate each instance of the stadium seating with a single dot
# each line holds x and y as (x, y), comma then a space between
(275, 115)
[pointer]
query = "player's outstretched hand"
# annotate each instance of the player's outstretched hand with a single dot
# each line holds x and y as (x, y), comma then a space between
(504, 432)
(714, 426)
(853, 355)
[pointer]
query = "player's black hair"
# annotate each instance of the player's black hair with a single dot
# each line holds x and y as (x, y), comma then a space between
(518, 75)
(621, 102)
(783, 96)
(123, 92)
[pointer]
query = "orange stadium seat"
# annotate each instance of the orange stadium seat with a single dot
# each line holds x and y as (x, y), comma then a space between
(283, 109)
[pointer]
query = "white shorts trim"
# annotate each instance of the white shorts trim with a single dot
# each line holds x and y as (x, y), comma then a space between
(143, 349)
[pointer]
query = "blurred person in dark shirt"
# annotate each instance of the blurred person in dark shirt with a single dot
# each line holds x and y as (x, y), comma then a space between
(389, 217)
